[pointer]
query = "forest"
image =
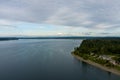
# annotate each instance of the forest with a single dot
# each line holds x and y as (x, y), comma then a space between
(103, 51)
(100, 46)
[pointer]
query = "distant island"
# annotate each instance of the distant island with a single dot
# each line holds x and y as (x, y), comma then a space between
(103, 53)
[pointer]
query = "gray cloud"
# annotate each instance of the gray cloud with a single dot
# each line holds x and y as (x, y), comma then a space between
(96, 14)
(7, 26)
(66, 16)
(7, 23)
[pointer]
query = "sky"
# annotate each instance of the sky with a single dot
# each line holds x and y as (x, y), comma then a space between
(59, 18)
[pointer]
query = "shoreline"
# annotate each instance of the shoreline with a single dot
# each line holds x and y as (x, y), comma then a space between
(114, 71)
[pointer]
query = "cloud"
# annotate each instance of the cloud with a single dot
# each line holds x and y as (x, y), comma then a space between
(59, 33)
(91, 14)
(65, 16)
(7, 24)
(106, 26)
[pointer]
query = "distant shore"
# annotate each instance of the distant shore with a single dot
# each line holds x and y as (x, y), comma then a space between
(8, 38)
(98, 65)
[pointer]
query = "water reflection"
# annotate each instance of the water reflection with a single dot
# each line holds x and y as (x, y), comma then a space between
(109, 75)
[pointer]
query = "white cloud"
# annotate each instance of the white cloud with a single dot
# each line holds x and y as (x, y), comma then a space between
(60, 33)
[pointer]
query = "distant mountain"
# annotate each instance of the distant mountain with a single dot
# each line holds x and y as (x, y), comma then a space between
(67, 37)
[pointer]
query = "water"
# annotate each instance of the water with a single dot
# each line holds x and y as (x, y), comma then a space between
(46, 60)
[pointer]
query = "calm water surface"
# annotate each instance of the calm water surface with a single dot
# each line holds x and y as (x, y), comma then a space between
(46, 60)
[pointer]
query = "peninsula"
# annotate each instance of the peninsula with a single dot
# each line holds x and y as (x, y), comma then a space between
(102, 53)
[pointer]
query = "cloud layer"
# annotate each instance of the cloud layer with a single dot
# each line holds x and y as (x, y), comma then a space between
(91, 14)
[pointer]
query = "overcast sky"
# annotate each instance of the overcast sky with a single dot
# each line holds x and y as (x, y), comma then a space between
(59, 17)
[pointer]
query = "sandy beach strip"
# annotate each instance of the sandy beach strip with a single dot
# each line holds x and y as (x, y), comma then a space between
(98, 65)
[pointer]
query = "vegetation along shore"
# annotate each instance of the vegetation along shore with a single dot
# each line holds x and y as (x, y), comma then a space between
(102, 53)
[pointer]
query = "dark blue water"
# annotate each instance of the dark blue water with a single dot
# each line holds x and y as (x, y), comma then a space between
(46, 60)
